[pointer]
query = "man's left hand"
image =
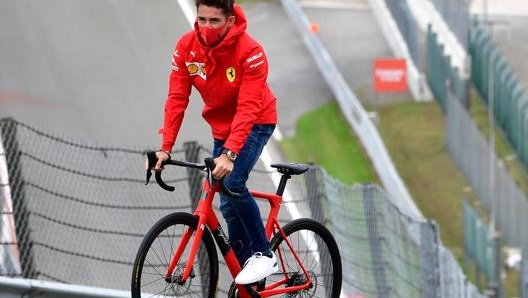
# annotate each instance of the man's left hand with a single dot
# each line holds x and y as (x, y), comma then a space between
(224, 167)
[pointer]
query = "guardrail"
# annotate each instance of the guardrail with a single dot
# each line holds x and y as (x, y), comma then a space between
(355, 114)
(20, 287)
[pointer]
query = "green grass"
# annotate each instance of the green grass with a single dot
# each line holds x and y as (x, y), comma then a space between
(324, 137)
(414, 134)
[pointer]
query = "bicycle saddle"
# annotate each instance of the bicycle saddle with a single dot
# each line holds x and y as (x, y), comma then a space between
(291, 168)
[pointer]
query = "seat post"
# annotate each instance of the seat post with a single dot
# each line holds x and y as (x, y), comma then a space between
(282, 184)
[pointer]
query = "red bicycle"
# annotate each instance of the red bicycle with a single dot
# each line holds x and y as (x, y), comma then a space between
(178, 256)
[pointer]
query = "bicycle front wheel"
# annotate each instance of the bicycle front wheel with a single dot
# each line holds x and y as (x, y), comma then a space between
(155, 253)
(318, 252)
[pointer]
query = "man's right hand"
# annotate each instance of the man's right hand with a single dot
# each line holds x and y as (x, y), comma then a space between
(161, 156)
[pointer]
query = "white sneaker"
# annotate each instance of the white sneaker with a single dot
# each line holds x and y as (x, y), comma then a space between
(256, 268)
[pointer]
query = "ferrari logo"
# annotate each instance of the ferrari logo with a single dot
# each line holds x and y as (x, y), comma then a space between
(230, 74)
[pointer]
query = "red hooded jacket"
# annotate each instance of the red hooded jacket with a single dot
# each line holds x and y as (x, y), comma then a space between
(231, 78)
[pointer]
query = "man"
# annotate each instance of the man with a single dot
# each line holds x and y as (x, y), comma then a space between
(229, 69)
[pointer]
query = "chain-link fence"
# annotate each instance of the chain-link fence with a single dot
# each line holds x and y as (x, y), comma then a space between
(384, 252)
(81, 210)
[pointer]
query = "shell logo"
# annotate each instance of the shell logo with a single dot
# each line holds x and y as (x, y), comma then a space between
(193, 68)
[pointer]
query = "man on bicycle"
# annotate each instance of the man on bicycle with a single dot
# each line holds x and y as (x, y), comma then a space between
(229, 69)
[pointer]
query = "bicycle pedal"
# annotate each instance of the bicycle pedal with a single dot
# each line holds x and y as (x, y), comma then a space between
(250, 288)
(261, 284)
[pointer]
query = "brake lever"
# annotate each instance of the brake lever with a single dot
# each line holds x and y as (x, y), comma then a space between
(152, 159)
(211, 165)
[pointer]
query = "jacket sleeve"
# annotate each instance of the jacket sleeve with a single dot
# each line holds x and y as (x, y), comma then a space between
(250, 97)
(177, 99)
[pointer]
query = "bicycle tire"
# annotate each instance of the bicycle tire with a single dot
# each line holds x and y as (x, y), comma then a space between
(319, 253)
(154, 255)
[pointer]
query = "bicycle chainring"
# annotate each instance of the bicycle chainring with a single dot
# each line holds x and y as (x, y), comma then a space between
(297, 279)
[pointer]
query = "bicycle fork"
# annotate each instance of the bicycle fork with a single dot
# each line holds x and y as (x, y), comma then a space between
(203, 215)
(186, 237)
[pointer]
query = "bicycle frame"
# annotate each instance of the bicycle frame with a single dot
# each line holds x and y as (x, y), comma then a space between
(207, 218)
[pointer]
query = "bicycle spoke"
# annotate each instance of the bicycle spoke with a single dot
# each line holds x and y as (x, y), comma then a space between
(156, 252)
(314, 247)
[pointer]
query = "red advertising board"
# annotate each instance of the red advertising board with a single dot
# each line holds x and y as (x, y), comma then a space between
(390, 75)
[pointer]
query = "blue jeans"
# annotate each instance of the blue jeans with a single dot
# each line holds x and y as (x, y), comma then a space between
(244, 222)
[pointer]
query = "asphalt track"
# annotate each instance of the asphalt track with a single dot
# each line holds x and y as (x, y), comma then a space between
(97, 70)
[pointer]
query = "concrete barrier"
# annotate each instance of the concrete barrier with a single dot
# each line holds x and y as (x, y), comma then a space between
(19, 287)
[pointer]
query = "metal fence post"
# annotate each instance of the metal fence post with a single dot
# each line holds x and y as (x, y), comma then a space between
(8, 129)
(375, 240)
(523, 277)
(430, 262)
(314, 194)
(497, 244)
(194, 176)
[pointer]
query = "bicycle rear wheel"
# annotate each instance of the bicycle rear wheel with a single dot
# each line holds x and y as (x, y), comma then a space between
(319, 253)
(154, 255)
